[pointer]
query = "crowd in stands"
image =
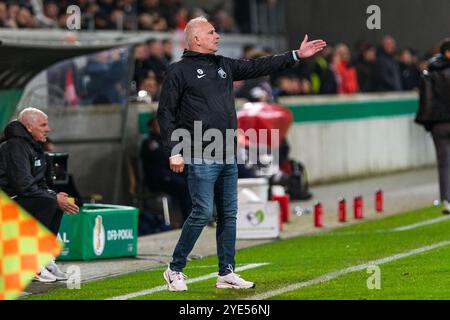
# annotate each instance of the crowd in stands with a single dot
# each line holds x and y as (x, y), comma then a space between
(151, 15)
(336, 70)
(372, 68)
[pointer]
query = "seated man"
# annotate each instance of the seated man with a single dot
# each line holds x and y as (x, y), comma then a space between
(22, 177)
(157, 174)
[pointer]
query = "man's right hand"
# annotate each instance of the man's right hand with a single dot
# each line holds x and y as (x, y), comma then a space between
(65, 204)
(177, 163)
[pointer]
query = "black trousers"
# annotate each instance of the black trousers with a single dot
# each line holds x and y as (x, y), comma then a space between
(45, 210)
(441, 138)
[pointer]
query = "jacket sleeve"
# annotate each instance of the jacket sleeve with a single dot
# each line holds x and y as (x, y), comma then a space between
(19, 173)
(247, 69)
(168, 109)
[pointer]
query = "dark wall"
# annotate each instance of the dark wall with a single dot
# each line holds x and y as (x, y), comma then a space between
(417, 24)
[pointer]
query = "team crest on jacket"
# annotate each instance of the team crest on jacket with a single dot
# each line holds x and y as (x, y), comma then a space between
(222, 73)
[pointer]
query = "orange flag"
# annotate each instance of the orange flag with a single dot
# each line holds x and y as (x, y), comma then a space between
(25, 248)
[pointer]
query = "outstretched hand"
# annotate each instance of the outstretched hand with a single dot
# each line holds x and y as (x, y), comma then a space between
(310, 48)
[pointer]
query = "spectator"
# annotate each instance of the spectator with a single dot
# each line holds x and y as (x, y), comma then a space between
(167, 50)
(181, 18)
(160, 23)
(223, 22)
(117, 20)
(22, 177)
(141, 68)
(387, 68)
(288, 86)
(25, 20)
(13, 12)
(323, 80)
(156, 61)
(365, 68)
(157, 174)
(3, 15)
(408, 69)
(346, 78)
(151, 86)
(248, 50)
(145, 21)
(105, 70)
(51, 11)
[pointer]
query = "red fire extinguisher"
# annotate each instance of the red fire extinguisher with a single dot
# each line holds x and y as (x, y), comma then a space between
(318, 215)
(358, 207)
(379, 201)
(342, 210)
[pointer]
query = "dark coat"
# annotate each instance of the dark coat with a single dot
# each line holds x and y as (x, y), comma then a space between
(22, 164)
(200, 88)
(388, 73)
(434, 102)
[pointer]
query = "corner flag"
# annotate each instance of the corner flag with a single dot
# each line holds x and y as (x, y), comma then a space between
(25, 247)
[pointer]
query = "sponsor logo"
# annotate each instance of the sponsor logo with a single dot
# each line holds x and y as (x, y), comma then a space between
(121, 234)
(200, 73)
(98, 236)
(255, 218)
(222, 73)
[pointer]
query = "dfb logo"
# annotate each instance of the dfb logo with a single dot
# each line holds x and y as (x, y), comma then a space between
(374, 20)
(73, 21)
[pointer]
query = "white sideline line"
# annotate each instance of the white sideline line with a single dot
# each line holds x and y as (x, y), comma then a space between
(332, 275)
(421, 224)
(398, 229)
(162, 288)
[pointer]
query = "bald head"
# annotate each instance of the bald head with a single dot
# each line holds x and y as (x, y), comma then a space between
(30, 115)
(201, 36)
(36, 123)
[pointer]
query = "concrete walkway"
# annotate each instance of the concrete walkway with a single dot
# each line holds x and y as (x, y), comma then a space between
(402, 192)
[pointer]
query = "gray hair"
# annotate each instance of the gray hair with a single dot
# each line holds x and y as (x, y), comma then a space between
(191, 26)
(30, 115)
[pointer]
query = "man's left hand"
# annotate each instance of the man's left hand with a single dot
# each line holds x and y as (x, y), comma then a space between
(310, 48)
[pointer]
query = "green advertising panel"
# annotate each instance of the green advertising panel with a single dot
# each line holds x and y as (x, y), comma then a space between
(8, 103)
(99, 231)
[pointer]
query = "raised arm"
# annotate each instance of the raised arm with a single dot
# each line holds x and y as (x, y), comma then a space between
(247, 69)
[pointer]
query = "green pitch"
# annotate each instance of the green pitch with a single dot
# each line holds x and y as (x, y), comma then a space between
(316, 267)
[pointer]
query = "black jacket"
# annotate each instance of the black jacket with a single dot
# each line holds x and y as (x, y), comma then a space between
(199, 87)
(434, 102)
(22, 164)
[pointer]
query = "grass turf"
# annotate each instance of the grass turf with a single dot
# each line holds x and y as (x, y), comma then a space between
(421, 276)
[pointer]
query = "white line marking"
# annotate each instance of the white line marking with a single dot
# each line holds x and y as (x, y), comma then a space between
(162, 288)
(332, 275)
(420, 224)
(398, 229)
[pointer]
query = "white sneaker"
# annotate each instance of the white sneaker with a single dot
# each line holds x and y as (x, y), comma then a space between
(445, 207)
(56, 271)
(175, 280)
(233, 281)
(44, 276)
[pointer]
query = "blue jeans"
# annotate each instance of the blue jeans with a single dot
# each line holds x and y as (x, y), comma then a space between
(209, 183)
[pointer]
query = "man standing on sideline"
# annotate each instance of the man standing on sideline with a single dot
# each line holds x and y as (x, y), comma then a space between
(22, 177)
(200, 88)
(434, 115)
